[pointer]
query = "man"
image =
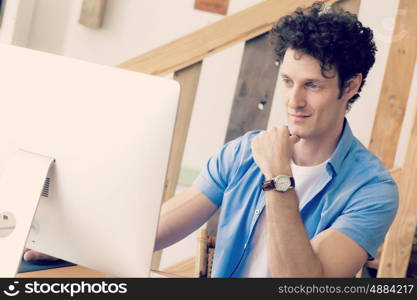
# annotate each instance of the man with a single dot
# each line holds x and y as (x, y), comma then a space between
(343, 201)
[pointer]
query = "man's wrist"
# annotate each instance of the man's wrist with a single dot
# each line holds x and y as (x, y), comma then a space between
(270, 174)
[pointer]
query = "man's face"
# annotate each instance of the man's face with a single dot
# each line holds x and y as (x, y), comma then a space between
(313, 107)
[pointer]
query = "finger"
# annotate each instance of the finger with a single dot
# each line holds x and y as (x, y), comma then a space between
(283, 129)
(294, 139)
(29, 255)
(34, 255)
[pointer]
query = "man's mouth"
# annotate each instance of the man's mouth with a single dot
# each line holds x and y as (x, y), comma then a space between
(299, 117)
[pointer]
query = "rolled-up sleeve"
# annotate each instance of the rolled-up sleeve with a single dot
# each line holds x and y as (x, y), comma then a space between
(215, 176)
(369, 214)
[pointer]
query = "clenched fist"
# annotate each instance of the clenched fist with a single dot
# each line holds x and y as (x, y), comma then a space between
(272, 151)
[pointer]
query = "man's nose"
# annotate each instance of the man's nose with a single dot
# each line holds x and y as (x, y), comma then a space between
(296, 97)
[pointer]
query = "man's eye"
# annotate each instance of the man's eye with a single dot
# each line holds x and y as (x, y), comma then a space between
(312, 85)
(286, 81)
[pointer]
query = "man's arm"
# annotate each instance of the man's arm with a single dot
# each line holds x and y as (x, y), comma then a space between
(290, 252)
(339, 255)
(181, 215)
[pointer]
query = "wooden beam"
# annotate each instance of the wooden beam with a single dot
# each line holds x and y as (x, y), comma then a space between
(396, 84)
(396, 174)
(188, 79)
(398, 242)
(213, 38)
(255, 88)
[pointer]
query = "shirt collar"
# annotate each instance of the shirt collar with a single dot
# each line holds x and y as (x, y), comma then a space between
(342, 148)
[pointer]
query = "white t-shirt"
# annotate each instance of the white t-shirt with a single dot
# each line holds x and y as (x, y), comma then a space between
(256, 264)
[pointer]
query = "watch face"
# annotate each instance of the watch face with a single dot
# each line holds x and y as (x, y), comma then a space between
(282, 183)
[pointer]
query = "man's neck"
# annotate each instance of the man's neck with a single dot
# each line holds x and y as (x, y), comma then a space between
(311, 152)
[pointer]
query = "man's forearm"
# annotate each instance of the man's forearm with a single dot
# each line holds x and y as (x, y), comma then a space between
(290, 253)
(181, 215)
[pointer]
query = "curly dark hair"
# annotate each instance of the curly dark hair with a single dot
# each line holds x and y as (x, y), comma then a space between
(331, 35)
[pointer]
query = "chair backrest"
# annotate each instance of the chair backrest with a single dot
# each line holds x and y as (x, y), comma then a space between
(205, 254)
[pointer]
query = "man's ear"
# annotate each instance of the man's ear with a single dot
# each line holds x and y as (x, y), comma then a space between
(352, 86)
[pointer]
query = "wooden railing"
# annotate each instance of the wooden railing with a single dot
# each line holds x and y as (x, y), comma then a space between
(213, 38)
(184, 57)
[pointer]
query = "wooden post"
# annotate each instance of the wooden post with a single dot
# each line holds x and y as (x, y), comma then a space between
(387, 128)
(396, 85)
(399, 240)
(255, 88)
(188, 79)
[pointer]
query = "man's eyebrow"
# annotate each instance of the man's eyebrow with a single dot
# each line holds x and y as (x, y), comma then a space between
(307, 79)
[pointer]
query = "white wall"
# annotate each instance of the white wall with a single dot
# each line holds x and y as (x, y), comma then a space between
(16, 23)
(132, 27)
(50, 22)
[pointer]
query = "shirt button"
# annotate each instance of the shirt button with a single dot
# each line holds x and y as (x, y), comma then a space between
(257, 212)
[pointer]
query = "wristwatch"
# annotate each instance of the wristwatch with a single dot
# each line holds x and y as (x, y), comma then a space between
(280, 183)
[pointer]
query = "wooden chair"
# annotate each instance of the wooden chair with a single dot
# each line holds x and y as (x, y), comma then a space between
(204, 255)
(257, 78)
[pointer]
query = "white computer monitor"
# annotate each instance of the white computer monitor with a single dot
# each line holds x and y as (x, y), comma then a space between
(109, 131)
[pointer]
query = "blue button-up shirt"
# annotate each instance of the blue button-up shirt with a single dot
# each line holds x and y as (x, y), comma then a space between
(358, 197)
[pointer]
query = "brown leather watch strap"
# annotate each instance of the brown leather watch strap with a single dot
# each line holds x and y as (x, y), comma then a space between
(268, 185)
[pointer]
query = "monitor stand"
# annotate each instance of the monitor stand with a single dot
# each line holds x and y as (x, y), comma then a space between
(21, 185)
